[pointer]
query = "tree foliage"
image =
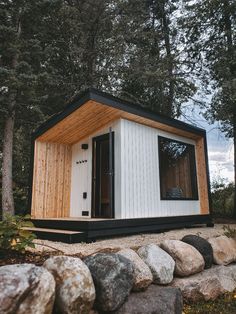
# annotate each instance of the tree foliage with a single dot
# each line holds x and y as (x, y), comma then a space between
(155, 53)
(222, 198)
(23, 89)
(210, 40)
(210, 28)
(152, 73)
(15, 235)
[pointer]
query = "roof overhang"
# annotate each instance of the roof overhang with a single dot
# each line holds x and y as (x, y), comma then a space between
(93, 110)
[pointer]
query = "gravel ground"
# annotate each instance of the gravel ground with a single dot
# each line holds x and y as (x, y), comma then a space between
(135, 241)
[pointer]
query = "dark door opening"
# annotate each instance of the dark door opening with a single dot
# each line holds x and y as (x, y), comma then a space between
(103, 176)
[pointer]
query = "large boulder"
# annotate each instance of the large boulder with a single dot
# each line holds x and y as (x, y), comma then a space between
(227, 276)
(113, 278)
(161, 264)
(188, 260)
(75, 291)
(199, 287)
(207, 285)
(142, 273)
(155, 300)
(203, 247)
(224, 250)
(26, 288)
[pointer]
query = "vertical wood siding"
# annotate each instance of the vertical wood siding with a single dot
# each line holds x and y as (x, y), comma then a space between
(140, 182)
(202, 176)
(51, 180)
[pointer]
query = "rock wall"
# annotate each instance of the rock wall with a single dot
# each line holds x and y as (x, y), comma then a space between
(155, 279)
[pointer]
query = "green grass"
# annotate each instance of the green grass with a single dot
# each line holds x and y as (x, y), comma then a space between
(226, 304)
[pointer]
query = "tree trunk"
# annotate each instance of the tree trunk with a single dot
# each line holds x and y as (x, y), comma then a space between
(166, 33)
(230, 49)
(234, 136)
(7, 155)
(7, 191)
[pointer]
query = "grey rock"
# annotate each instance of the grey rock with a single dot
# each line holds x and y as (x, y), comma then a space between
(75, 291)
(113, 278)
(154, 300)
(224, 250)
(161, 264)
(142, 273)
(188, 260)
(199, 287)
(227, 276)
(26, 288)
(207, 285)
(203, 247)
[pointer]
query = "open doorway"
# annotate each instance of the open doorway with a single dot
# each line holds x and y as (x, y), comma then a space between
(103, 176)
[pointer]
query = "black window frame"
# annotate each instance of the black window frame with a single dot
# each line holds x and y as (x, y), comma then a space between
(194, 180)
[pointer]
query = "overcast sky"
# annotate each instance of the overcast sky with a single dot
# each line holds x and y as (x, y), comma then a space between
(220, 149)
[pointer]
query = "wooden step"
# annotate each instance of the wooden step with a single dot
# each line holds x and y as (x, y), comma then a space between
(51, 230)
(66, 236)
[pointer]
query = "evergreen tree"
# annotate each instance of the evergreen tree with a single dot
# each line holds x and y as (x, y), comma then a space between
(21, 72)
(153, 71)
(210, 41)
(51, 49)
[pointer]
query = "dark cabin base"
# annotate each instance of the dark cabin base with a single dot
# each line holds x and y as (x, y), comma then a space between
(76, 231)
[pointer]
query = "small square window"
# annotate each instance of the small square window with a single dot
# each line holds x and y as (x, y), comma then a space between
(178, 179)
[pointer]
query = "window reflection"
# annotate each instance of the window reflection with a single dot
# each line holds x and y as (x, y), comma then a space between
(177, 170)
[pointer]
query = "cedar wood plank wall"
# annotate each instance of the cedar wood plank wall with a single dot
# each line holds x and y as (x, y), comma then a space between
(202, 176)
(51, 180)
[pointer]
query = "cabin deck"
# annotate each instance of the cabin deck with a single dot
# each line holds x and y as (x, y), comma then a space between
(74, 230)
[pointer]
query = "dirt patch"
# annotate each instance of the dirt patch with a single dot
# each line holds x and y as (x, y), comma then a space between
(13, 257)
(226, 221)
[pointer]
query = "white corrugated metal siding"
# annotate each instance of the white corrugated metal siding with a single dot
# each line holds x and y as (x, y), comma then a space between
(140, 187)
(81, 175)
(137, 182)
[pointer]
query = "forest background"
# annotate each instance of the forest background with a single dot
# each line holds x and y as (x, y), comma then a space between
(173, 57)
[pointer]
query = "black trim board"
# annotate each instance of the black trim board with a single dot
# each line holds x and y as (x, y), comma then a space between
(109, 100)
(94, 229)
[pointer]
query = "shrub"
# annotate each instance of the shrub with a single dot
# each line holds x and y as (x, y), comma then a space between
(222, 198)
(13, 236)
(230, 232)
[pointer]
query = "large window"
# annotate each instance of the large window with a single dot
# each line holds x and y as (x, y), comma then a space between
(178, 178)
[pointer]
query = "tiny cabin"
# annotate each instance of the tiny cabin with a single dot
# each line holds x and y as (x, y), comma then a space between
(105, 166)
